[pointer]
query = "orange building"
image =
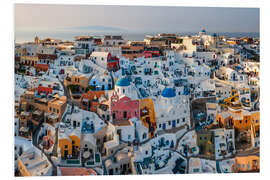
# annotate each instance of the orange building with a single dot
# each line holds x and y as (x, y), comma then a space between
(243, 121)
(69, 145)
(239, 119)
(147, 115)
(42, 67)
(133, 49)
(53, 107)
(247, 164)
(77, 79)
(89, 101)
(56, 108)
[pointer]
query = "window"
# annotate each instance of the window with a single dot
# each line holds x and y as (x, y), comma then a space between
(183, 120)
(66, 146)
(243, 165)
(129, 136)
(177, 121)
(240, 121)
(169, 123)
(144, 134)
(159, 126)
(146, 152)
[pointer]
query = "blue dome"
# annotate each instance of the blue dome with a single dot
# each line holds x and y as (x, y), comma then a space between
(168, 93)
(123, 82)
(203, 31)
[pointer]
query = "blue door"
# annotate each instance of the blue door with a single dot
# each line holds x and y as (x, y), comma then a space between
(164, 126)
(173, 123)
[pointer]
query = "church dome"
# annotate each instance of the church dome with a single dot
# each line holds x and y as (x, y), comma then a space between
(123, 82)
(168, 93)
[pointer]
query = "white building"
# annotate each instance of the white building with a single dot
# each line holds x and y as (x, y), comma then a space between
(100, 58)
(114, 50)
(127, 131)
(124, 88)
(195, 166)
(171, 111)
(224, 143)
(84, 45)
(113, 40)
(35, 162)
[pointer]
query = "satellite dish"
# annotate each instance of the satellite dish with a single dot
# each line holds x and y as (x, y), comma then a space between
(86, 154)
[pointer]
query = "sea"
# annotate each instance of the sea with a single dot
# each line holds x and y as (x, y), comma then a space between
(28, 36)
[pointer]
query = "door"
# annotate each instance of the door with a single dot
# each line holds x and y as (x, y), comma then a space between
(173, 123)
(124, 114)
(65, 153)
(234, 76)
(164, 126)
(119, 133)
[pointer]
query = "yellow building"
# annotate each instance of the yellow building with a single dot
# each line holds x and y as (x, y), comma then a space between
(247, 163)
(69, 145)
(255, 118)
(241, 121)
(244, 120)
(147, 115)
(80, 80)
(29, 60)
(56, 107)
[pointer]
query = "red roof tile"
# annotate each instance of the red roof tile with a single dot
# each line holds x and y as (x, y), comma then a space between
(70, 171)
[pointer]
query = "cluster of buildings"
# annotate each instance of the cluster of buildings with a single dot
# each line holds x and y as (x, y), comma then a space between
(169, 104)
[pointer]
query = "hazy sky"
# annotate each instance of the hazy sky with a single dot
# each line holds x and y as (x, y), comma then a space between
(136, 18)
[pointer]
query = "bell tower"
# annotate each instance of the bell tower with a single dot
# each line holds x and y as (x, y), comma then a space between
(36, 40)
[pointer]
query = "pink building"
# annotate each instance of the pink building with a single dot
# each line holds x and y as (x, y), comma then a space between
(124, 108)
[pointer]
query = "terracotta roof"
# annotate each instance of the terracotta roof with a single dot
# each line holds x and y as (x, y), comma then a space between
(91, 94)
(42, 66)
(47, 56)
(120, 122)
(70, 171)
